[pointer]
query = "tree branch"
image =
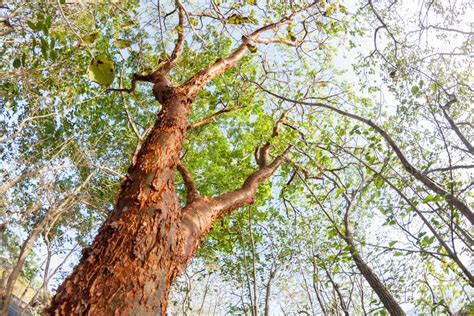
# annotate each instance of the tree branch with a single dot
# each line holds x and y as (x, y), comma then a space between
(135, 79)
(22, 125)
(213, 116)
(169, 64)
(193, 193)
(263, 153)
(197, 82)
(449, 168)
(449, 197)
(455, 127)
(200, 215)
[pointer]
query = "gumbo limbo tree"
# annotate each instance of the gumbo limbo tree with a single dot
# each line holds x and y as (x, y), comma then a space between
(148, 238)
(340, 160)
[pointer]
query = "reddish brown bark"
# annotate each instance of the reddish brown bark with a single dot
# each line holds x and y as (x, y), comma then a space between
(132, 261)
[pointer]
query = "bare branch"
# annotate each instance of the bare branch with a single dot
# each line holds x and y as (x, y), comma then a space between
(449, 197)
(169, 64)
(455, 127)
(449, 168)
(7, 185)
(129, 116)
(22, 125)
(213, 116)
(276, 40)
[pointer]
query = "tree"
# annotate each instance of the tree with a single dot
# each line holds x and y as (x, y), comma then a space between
(147, 235)
(320, 136)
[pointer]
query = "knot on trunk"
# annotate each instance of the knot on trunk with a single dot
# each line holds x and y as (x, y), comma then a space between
(162, 88)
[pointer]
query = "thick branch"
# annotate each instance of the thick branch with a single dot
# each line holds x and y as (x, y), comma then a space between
(450, 198)
(193, 193)
(200, 215)
(197, 82)
(135, 79)
(276, 40)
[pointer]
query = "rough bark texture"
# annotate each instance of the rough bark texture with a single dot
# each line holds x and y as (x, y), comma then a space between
(129, 268)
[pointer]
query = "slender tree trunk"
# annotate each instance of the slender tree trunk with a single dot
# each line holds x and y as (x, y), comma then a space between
(379, 288)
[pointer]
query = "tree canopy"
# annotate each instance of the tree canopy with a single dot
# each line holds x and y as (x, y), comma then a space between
(349, 122)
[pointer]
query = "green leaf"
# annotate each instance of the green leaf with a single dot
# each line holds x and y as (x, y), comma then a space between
(429, 198)
(251, 2)
(415, 90)
(122, 43)
(342, 9)
(291, 34)
(31, 25)
(392, 243)
(90, 39)
(101, 70)
(16, 63)
(378, 182)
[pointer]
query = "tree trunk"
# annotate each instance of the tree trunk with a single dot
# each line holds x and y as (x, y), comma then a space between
(133, 260)
(147, 240)
(379, 288)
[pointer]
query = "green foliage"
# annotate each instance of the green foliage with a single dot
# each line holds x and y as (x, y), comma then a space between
(55, 55)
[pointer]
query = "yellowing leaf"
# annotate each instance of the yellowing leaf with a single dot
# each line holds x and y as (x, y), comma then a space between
(252, 48)
(193, 21)
(331, 9)
(90, 39)
(122, 43)
(179, 29)
(239, 19)
(101, 70)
